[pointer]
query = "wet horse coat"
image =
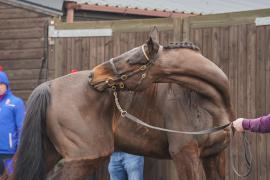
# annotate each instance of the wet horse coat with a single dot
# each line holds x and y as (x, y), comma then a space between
(68, 119)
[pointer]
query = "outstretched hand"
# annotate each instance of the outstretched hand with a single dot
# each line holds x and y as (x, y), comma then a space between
(237, 124)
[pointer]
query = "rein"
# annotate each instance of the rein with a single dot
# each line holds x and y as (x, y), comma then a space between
(248, 155)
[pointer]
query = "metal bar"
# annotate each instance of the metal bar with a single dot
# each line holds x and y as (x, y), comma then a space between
(262, 21)
(78, 32)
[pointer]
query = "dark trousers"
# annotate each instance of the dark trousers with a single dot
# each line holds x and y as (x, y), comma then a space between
(3, 157)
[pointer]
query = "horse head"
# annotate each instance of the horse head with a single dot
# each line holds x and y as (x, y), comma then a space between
(131, 70)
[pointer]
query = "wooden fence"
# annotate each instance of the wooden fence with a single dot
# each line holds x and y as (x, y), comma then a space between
(242, 50)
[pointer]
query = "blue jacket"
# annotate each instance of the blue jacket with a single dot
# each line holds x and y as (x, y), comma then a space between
(12, 112)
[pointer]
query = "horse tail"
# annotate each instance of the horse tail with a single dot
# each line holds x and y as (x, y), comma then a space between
(29, 157)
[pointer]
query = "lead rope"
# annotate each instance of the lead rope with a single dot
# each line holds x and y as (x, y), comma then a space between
(247, 155)
(137, 120)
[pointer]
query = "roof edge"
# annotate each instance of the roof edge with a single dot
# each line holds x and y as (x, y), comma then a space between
(33, 7)
(122, 10)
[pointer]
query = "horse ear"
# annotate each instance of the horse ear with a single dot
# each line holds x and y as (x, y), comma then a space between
(153, 42)
(154, 34)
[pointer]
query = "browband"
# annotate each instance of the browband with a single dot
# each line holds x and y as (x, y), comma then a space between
(145, 53)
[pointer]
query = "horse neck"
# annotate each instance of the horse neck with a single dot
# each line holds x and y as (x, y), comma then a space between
(139, 102)
(184, 105)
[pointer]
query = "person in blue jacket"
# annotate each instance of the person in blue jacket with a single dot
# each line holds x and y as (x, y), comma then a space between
(12, 112)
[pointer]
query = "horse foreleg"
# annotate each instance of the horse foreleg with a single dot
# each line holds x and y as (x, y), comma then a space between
(213, 156)
(215, 143)
(76, 169)
(214, 166)
(188, 163)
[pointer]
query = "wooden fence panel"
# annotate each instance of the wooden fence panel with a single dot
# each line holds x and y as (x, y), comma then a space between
(251, 69)
(261, 101)
(242, 51)
(267, 94)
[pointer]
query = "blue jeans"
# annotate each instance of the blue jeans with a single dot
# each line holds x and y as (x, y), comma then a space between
(124, 166)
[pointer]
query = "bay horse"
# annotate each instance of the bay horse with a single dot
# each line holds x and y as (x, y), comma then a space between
(69, 126)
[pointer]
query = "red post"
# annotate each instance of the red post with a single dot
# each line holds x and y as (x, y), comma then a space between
(70, 6)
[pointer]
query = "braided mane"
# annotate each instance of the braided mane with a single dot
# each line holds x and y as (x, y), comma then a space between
(188, 45)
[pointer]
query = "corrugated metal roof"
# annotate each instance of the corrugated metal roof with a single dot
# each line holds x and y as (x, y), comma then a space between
(50, 4)
(187, 6)
(49, 7)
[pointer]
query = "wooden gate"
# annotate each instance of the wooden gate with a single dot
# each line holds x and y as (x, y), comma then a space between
(240, 45)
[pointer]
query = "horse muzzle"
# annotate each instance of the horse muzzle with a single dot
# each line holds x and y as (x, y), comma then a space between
(100, 86)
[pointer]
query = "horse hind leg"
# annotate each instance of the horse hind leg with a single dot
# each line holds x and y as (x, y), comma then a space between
(74, 169)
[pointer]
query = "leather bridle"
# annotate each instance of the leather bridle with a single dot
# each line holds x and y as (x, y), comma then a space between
(119, 81)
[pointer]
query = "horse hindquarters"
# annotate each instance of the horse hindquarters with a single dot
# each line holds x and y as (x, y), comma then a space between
(29, 162)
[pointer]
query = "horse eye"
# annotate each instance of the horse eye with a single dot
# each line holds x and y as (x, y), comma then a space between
(131, 61)
(90, 76)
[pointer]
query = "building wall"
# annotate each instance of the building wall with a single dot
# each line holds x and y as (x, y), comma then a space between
(22, 47)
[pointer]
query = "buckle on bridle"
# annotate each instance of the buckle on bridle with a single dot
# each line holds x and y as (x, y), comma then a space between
(113, 88)
(121, 85)
(142, 68)
(123, 77)
(110, 82)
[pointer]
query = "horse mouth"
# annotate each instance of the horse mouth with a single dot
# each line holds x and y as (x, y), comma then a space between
(100, 86)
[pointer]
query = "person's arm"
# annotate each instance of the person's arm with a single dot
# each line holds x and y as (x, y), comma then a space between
(261, 124)
(20, 114)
